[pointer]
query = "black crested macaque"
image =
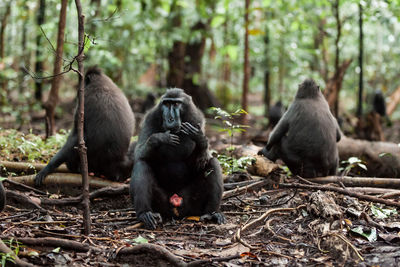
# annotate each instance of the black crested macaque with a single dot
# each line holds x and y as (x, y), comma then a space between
(2, 197)
(379, 106)
(174, 175)
(305, 137)
(108, 127)
(379, 103)
(275, 113)
(149, 102)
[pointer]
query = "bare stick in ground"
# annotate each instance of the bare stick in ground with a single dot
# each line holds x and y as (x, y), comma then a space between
(81, 142)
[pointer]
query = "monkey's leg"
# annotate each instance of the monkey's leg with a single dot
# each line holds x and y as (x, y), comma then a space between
(203, 197)
(143, 194)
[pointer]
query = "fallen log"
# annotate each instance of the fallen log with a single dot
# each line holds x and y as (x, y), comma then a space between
(358, 181)
(28, 167)
(381, 158)
(72, 179)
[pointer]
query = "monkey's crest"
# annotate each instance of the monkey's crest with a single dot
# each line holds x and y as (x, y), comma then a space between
(308, 89)
(90, 73)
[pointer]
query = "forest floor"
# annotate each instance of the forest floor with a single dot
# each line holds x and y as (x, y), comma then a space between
(267, 225)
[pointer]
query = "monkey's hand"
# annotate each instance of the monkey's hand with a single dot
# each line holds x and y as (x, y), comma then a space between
(195, 133)
(164, 138)
(40, 178)
(217, 217)
(150, 219)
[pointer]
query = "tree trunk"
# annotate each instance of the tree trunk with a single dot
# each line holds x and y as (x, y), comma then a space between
(81, 100)
(39, 48)
(2, 44)
(360, 63)
(246, 65)
(394, 101)
(185, 74)
(52, 101)
(335, 83)
(267, 78)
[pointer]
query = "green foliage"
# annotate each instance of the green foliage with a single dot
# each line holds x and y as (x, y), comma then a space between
(352, 163)
(231, 165)
(382, 213)
(228, 163)
(15, 145)
(369, 234)
(7, 257)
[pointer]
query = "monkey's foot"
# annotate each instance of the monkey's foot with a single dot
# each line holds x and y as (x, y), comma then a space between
(150, 219)
(217, 217)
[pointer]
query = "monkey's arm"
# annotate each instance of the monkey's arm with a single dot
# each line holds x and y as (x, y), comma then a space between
(280, 130)
(201, 150)
(66, 152)
(145, 149)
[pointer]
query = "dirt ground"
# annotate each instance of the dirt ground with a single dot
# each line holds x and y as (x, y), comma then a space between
(291, 228)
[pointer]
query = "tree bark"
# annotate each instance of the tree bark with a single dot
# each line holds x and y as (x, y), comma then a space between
(267, 78)
(360, 62)
(52, 101)
(39, 60)
(334, 84)
(185, 65)
(3, 27)
(394, 101)
(246, 65)
(81, 100)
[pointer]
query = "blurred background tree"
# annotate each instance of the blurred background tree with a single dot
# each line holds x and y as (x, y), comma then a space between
(148, 45)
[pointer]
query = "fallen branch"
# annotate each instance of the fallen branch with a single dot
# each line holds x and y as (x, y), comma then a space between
(102, 192)
(207, 262)
(73, 179)
(341, 191)
(153, 250)
(28, 167)
(27, 187)
(57, 242)
(21, 198)
(18, 261)
(359, 181)
(237, 238)
(240, 190)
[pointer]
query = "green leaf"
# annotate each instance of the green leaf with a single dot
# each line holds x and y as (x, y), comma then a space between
(381, 213)
(362, 166)
(56, 250)
(371, 236)
(2, 179)
(140, 240)
(87, 44)
(217, 21)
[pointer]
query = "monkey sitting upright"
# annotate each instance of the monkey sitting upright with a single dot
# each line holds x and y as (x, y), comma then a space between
(305, 137)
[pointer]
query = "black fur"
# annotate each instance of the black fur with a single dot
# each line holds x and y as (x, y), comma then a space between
(275, 113)
(305, 137)
(379, 103)
(108, 127)
(2, 197)
(172, 157)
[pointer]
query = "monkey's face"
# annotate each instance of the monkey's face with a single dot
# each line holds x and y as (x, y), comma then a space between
(171, 114)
